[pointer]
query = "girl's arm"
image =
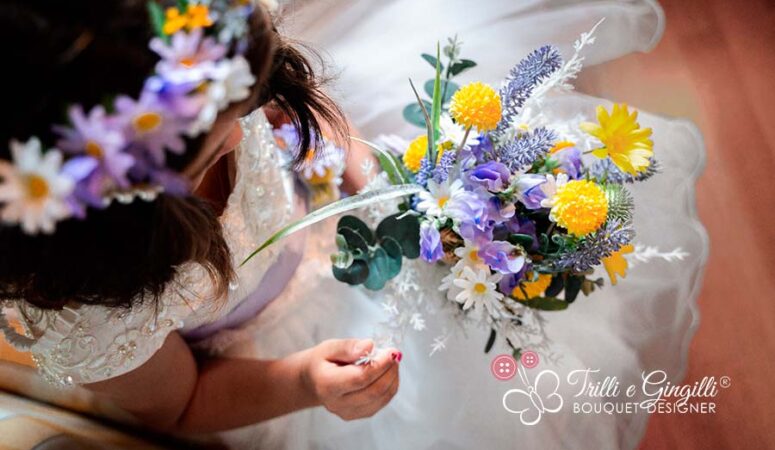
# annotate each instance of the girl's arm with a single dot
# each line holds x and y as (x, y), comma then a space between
(170, 393)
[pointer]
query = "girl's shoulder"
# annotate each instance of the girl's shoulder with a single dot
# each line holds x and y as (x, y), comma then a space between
(84, 343)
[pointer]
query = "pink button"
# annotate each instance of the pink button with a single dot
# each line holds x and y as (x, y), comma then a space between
(529, 359)
(503, 367)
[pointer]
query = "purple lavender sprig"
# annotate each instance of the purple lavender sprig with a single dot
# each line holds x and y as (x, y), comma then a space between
(526, 148)
(523, 78)
(441, 172)
(425, 172)
(597, 246)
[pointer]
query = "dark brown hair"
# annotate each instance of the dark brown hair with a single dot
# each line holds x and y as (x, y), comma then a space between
(80, 51)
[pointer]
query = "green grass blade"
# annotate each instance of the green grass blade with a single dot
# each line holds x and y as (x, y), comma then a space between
(388, 162)
(344, 205)
(435, 109)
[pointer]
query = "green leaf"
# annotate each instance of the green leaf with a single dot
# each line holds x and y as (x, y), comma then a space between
(431, 59)
(405, 231)
(461, 66)
(356, 274)
(342, 259)
(435, 110)
(525, 240)
(338, 207)
(448, 88)
(414, 115)
(490, 342)
(157, 20)
(358, 226)
(182, 5)
(547, 304)
(354, 240)
(555, 287)
(389, 162)
(393, 249)
(382, 267)
(572, 288)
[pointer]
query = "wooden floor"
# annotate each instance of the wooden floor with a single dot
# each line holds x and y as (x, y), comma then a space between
(716, 65)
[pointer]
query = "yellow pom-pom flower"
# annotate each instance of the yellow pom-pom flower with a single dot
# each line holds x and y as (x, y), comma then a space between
(476, 105)
(625, 142)
(616, 264)
(580, 206)
(532, 288)
(416, 152)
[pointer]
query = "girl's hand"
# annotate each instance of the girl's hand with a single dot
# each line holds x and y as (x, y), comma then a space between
(349, 391)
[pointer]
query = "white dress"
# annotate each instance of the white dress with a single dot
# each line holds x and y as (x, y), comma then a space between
(449, 400)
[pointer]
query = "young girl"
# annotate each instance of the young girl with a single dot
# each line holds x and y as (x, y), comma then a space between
(124, 257)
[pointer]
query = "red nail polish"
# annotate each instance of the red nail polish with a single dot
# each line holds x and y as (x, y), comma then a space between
(397, 356)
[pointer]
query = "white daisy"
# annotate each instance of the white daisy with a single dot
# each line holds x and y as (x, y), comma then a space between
(433, 200)
(33, 190)
(452, 132)
(479, 289)
(550, 188)
(448, 283)
(230, 81)
(469, 254)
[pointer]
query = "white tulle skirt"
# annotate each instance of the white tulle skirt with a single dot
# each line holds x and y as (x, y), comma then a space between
(451, 400)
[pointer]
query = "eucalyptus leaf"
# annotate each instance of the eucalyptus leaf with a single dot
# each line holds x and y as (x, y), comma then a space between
(460, 66)
(356, 274)
(547, 304)
(525, 240)
(431, 59)
(406, 231)
(381, 269)
(414, 115)
(342, 259)
(338, 207)
(354, 240)
(358, 226)
(388, 161)
(393, 249)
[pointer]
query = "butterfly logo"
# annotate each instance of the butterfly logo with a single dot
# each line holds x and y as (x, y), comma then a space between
(540, 397)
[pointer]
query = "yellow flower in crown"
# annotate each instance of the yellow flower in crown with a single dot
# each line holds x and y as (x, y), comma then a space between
(532, 288)
(417, 150)
(616, 264)
(476, 105)
(580, 206)
(625, 142)
(195, 16)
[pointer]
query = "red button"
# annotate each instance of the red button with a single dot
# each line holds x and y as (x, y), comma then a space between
(503, 367)
(529, 359)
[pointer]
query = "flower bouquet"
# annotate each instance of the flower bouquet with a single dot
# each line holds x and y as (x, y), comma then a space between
(519, 214)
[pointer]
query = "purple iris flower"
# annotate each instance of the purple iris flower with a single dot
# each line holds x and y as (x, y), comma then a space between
(499, 211)
(475, 232)
(509, 282)
(523, 225)
(431, 249)
(569, 160)
(529, 190)
(491, 175)
(470, 156)
(467, 206)
(502, 257)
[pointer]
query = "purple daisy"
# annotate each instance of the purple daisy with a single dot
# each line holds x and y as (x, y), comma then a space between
(188, 57)
(97, 136)
(150, 123)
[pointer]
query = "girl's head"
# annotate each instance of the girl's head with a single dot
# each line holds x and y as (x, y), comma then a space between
(81, 52)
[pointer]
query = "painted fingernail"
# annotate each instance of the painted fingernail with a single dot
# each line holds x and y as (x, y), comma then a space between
(397, 356)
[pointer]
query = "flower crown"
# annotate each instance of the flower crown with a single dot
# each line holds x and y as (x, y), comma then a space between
(117, 151)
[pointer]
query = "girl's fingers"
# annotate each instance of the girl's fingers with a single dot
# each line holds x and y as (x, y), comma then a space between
(375, 390)
(377, 403)
(354, 378)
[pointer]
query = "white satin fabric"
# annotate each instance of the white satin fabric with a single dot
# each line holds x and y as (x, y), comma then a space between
(451, 400)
